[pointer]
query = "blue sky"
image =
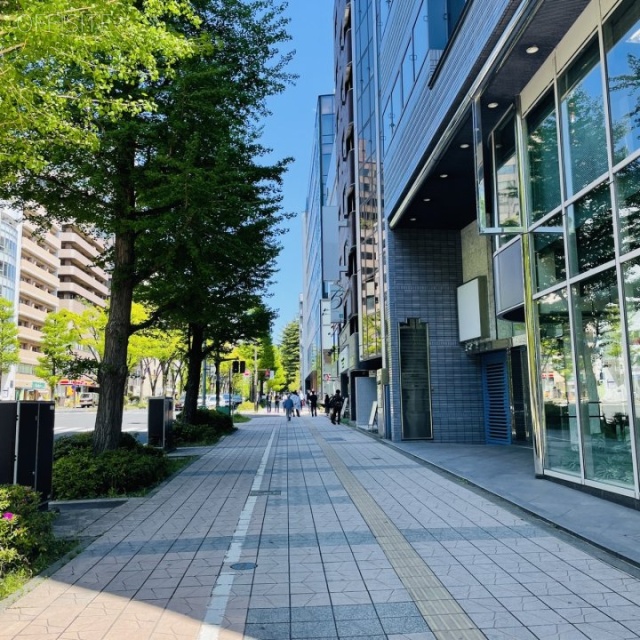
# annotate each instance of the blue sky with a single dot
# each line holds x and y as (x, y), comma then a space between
(289, 132)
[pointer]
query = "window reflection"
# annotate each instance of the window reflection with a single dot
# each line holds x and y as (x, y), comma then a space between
(507, 191)
(591, 230)
(632, 301)
(548, 243)
(542, 147)
(558, 384)
(583, 129)
(604, 412)
(623, 66)
(628, 198)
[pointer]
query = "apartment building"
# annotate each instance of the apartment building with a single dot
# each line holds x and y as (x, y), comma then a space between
(82, 281)
(37, 297)
(42, 272)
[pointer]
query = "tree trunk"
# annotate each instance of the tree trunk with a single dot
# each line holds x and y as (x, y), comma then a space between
(113, 371)
(194, 368)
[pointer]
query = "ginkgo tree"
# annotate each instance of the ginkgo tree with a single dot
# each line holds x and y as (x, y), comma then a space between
(60, 61)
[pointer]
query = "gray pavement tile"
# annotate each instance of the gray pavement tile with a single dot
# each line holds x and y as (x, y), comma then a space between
(606, 631)
(396, 609)
(494, 619)
(352, 628)
(509, 633)
(268, 631)
(314, 629)
(427, 635)
(354, 612)
(557, 632)
(311, 614)
(282, 614)
(541, 617)
(407, 624)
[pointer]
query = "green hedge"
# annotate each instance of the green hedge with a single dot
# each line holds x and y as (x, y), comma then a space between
(207, 427)
(79, 474)
(25, 532)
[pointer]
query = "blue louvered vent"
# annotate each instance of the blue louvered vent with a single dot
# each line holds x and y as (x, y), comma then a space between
(496, 399)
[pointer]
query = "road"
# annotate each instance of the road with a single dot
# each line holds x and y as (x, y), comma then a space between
(70, 421)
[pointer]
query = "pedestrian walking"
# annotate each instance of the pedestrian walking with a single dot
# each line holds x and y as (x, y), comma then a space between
(313, 403)
(326, 402)
(268, 401)
(335, 404)
(276, 402)
(287, 405)
(297, 405)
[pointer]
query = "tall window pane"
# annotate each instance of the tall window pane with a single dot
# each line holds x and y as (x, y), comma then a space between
(558, 383)
(591, 230)
(507, 190)
(583, 129)
(631, 275)
(420, 38)
(604, 411)
(628, 197)
(623, 65)
(544, 166)
(548, 244)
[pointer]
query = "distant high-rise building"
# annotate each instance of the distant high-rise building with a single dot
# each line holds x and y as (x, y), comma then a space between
(320, 241)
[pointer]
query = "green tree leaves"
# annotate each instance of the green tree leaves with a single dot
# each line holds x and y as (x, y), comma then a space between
(9, 345)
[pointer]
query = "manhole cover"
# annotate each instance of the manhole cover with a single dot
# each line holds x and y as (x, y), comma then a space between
(265, 493)
(244, 566)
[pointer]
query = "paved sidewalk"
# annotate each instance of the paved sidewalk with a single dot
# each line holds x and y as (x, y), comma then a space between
(306, 530)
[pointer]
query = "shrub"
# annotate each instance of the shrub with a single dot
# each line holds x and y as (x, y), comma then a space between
(207, 428)
(25, 532)
(78, 473)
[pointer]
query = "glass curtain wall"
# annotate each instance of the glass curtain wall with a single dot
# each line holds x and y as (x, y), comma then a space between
(370, 314)
(582, 149)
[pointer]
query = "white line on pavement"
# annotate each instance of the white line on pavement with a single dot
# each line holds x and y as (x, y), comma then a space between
(222, 589)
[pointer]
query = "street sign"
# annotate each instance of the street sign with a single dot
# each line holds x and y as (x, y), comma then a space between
(267, 374)
(247, 374)
(327, 377)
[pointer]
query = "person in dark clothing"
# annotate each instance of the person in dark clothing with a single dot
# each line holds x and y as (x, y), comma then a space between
(336, 403)
(313, 403)
(327, 408)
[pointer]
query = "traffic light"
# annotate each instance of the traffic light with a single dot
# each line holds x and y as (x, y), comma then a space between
(238, 366)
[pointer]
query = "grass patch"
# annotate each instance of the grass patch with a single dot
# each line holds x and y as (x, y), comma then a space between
(239, 418)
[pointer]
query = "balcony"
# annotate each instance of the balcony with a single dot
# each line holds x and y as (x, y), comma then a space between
(75, 275)
(41, 254)
(78, 243)
(31, 314)
(33, 336)
(84, 261)
(81, 292)
(31, 271)
(39, 296)
(29, 357)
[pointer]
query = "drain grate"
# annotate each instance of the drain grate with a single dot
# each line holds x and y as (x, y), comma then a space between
(244, 566)
(265, 493)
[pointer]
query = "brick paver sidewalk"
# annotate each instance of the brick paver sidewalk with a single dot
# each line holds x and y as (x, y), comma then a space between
(306, 530)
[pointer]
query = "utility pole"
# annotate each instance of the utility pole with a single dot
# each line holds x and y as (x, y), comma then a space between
(255, 376)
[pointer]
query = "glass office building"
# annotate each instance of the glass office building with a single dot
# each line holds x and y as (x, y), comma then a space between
(571, 144)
